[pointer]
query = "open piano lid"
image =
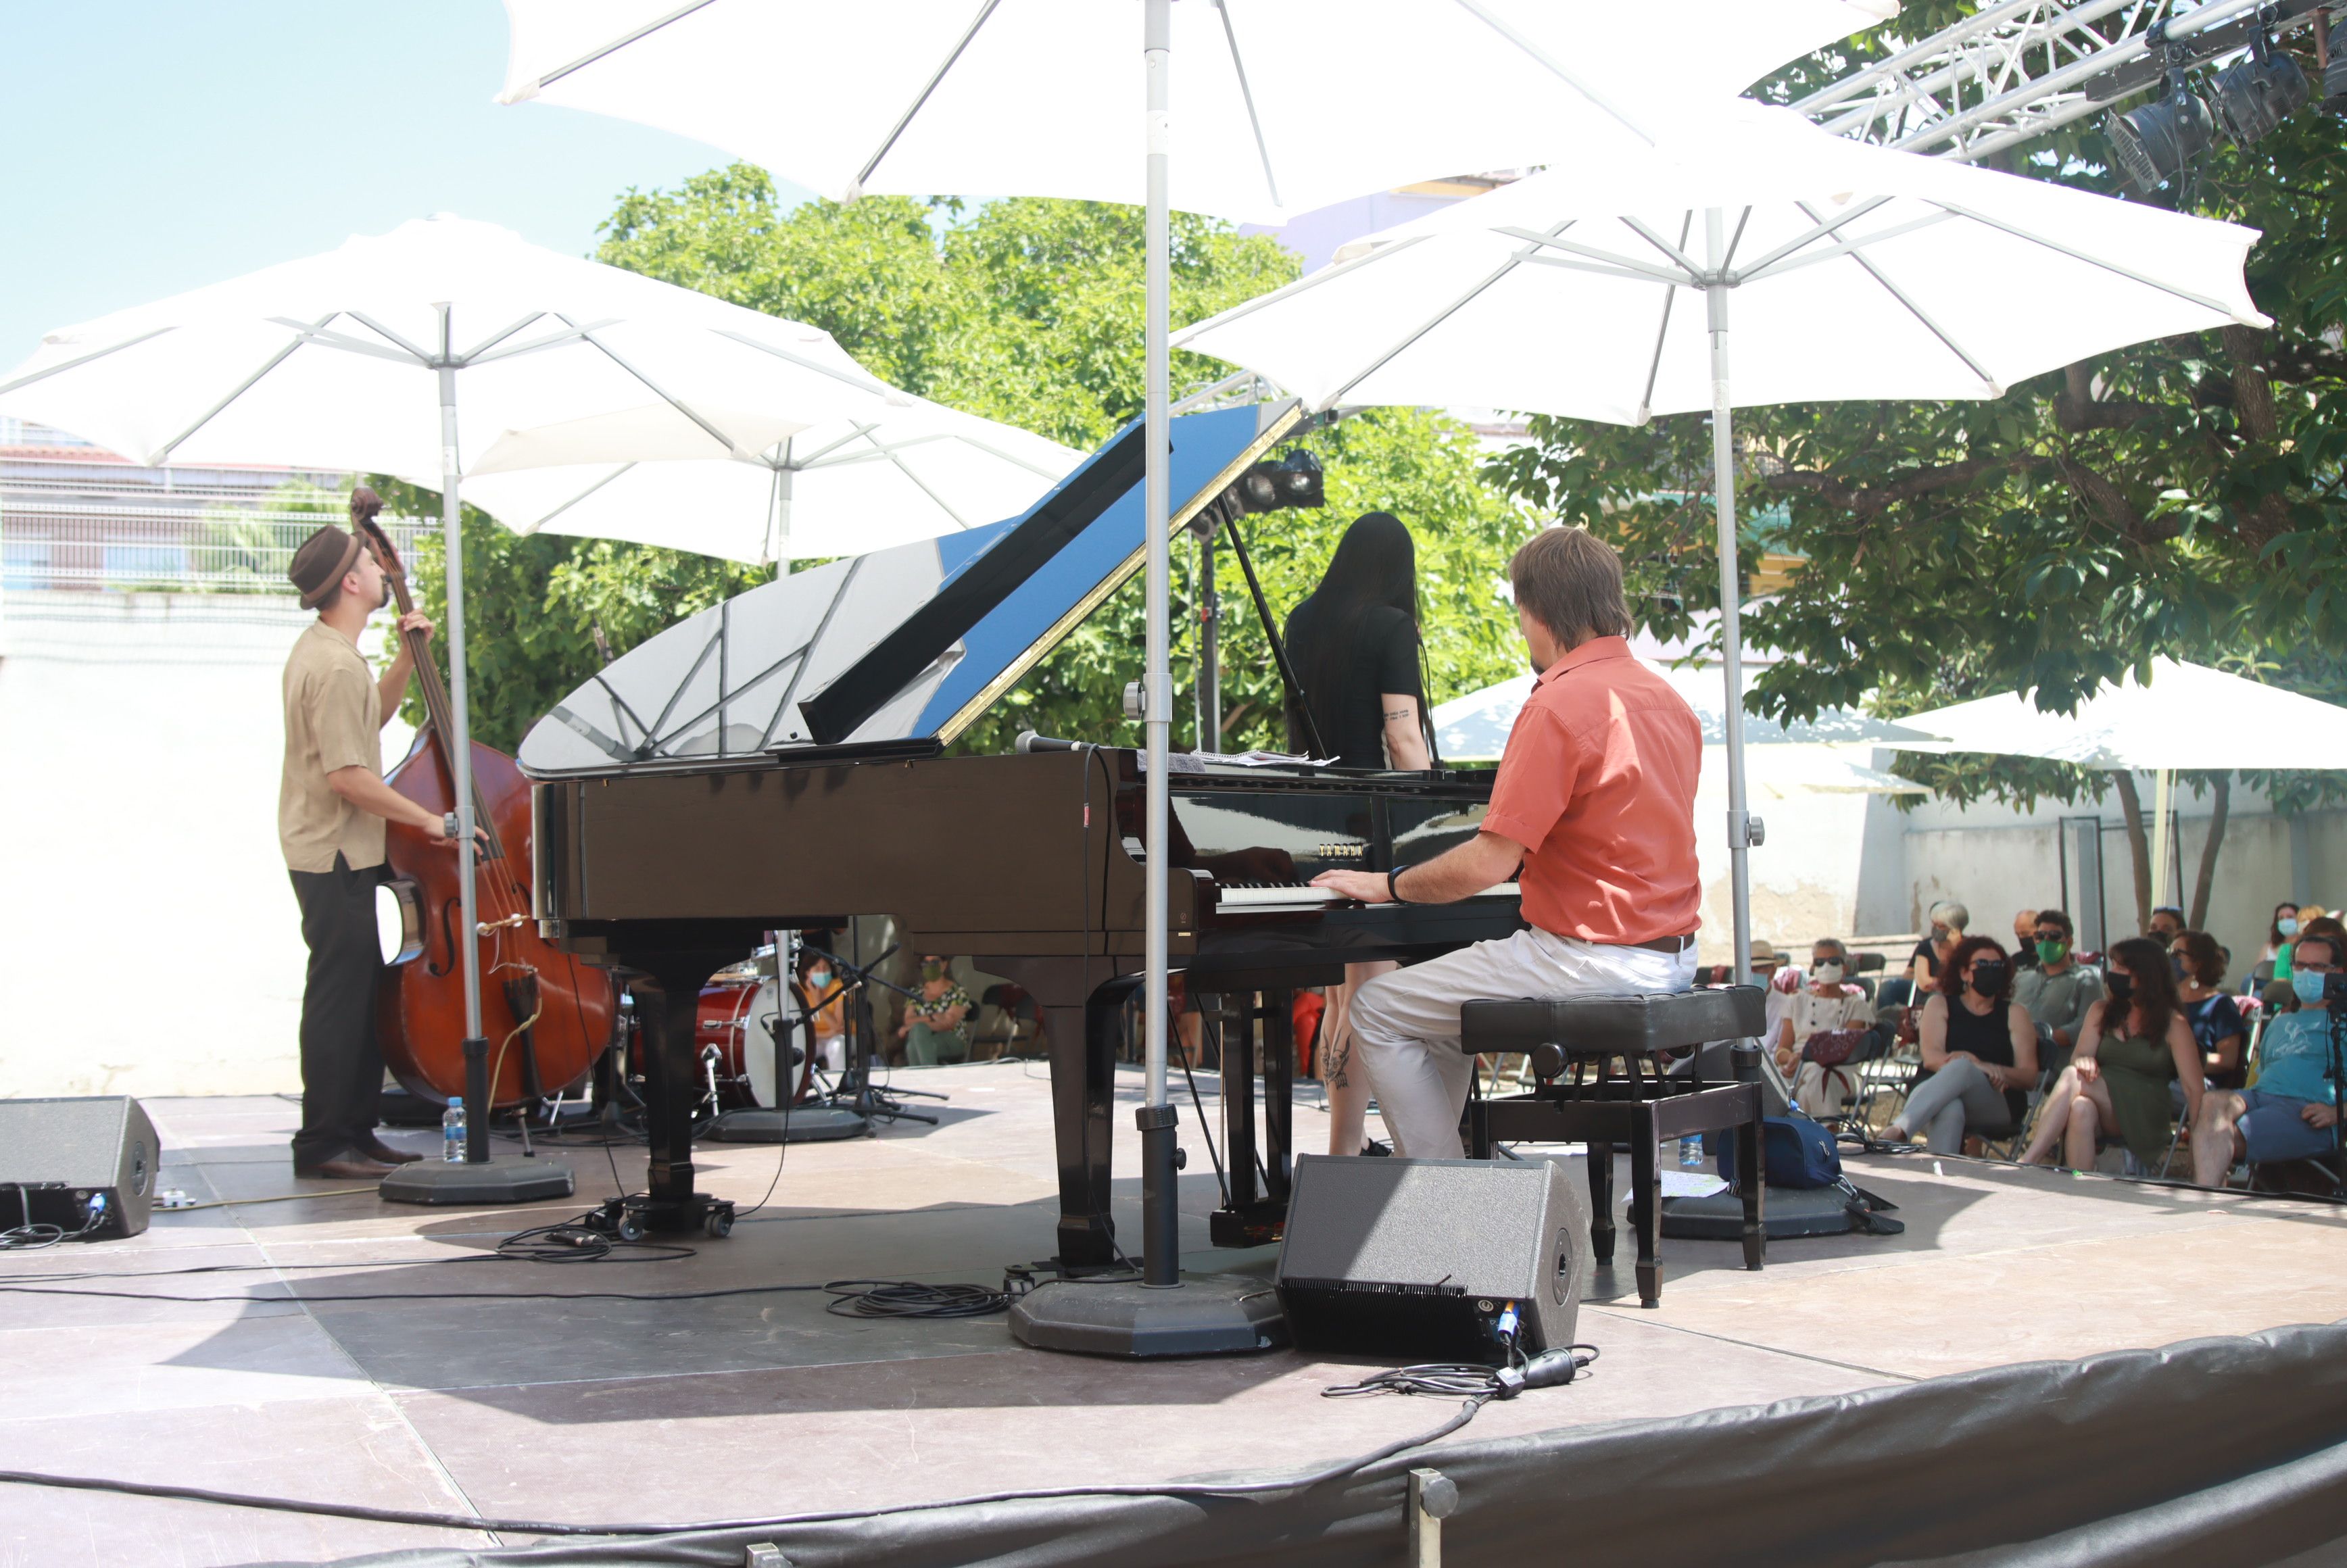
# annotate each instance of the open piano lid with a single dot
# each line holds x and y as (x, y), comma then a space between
(903, 646)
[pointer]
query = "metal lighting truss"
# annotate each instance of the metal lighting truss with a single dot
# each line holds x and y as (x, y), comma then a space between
(2016, 70)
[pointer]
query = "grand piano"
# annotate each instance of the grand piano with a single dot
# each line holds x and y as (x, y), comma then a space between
(781, 760)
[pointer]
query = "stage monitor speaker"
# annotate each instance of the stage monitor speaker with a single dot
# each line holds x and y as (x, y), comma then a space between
(1416, 1260)
(56, 1155)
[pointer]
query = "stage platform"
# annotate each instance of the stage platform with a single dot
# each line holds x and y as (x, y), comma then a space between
(585, 1408)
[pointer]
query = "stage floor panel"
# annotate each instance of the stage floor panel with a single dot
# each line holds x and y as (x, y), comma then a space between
(584, 1407)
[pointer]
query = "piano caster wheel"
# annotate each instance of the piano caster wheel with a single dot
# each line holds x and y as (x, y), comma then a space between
(630, 1228)
(719, 1223)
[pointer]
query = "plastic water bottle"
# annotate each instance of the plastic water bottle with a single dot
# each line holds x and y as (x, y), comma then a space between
(452, 1132)
(1691, 1151)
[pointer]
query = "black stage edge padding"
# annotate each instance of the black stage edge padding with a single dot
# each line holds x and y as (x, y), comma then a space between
(2214, 1451)
(1413, 1260)
(868, 685)
(56, 1153)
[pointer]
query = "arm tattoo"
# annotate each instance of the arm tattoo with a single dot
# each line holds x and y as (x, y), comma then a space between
(1394, 715)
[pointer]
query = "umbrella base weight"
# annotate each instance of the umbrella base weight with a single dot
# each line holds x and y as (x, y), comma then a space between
(811, 1124)
(502, 1180)
(1792, 1212)
(1205, 1315)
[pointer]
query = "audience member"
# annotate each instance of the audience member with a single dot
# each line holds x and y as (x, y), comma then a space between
(2214, 1017)
(2307, 915)
(2284, 927)
(1948, 920)
(2024, 940)
(829, 1006)
(1827, 1003)
(2167, 924)
(2135, 1040)
(2292, 1111)
(936, 1025)
(1980, 1053)
(2060, 989)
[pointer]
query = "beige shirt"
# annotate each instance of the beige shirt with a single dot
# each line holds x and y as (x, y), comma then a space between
(334, 720)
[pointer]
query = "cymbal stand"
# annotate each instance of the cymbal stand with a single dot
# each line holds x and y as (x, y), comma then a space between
(855, 1087)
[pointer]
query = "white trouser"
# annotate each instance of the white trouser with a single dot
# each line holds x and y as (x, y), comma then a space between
(1407, 1022)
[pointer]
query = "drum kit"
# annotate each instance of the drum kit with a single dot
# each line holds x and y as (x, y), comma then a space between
(738, 1017)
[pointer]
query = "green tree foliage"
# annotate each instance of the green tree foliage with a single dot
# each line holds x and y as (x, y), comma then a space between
(1025, 310)
(2179, 497)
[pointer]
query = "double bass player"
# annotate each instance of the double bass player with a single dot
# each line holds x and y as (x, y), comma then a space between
(332, 808)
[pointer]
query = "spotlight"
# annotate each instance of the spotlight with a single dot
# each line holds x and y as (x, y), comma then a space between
(2334, 73)
(2255, 95)
(2156, 142)
(1293, 481)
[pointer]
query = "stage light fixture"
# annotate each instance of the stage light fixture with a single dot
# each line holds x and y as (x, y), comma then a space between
(1295, 480)
(2256, 94)
(2156, 142)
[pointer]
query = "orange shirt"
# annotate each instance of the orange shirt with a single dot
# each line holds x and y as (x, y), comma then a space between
(1598, 781)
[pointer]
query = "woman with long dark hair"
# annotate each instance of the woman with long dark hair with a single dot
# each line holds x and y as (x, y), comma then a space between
(1354, 645)
(1980, 1053)
(2135, 1041)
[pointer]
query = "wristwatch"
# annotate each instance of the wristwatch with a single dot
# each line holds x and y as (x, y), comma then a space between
(1393, 891)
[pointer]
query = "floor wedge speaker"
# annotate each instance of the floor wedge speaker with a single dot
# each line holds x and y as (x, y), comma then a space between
(1417, 1260)
(56, 1155)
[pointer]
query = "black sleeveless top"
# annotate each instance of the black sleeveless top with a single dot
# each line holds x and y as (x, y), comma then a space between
(1990, 1038)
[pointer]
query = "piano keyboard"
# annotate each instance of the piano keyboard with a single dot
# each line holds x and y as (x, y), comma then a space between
(1308, 897)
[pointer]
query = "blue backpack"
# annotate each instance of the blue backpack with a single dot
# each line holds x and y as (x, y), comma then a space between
(1795, 1151)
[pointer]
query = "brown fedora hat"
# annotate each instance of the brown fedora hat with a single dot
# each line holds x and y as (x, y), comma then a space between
(322, 561)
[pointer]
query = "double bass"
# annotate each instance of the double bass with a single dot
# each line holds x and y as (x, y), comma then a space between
(546, 1016)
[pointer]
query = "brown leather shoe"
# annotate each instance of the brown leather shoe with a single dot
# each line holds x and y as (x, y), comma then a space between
(350, 1168)
(376, 1149)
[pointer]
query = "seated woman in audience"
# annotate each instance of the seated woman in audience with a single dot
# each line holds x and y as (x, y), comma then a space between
(1980, 1052)
(2292, 1112)
(2285, 931)
(1948, 920)
(2135, 1040)
(2215, 1017)
(1825, 1004)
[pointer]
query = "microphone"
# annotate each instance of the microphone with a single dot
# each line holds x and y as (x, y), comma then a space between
(1029, 742)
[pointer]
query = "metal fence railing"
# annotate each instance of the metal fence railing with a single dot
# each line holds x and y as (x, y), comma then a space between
(73, 546)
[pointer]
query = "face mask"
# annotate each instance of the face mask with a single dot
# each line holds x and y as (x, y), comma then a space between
(1988, 979)
(2175, 961)
(1827, 973)
(2120, 986)
(2309, 985)
(819, 978)
(2286, 925)
(2051, 952)
(933, 971)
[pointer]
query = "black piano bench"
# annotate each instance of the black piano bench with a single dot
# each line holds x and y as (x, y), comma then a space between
(1575, 1044)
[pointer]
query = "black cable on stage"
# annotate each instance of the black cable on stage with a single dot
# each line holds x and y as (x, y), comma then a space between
(1466, 1412)
(905, 1298)
(424, 1294)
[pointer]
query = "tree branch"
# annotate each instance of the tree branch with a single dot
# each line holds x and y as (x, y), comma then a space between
(2076, 409)
(2111, 504)
(2253, 391)
(1872, 500)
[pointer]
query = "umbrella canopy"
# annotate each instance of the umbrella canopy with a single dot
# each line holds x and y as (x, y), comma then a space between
(844, 487)
(1849, 270)
(1852, 272)
(333, 360)
(1474, 728)
(1284, 105)
(2141, 725)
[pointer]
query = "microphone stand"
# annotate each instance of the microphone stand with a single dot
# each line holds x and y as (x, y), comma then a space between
(867, 1098)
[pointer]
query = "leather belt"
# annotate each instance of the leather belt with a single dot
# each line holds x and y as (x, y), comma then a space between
(1659, 944)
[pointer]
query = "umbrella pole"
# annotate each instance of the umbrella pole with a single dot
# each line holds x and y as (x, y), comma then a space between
(1161, 1216)
(1740, 835)
(460, 765)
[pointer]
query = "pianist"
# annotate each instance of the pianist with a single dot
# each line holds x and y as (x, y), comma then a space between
(1592, 814)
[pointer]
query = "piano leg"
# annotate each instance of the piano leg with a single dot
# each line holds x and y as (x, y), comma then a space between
(1240, 1057)
(1278, 1095)
(666, 990)
(1082, 1028)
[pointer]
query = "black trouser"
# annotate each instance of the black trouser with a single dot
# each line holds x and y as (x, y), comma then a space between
(342, 1063)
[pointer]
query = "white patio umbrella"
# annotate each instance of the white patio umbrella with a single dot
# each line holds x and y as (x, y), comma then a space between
(2140, 726)
(844, 487)
(353, 360)
(1852, 272)
(1292, 104)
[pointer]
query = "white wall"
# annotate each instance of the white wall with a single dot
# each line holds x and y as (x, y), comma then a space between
(148, 938)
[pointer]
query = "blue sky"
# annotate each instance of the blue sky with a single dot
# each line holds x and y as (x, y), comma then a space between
(152, 147)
